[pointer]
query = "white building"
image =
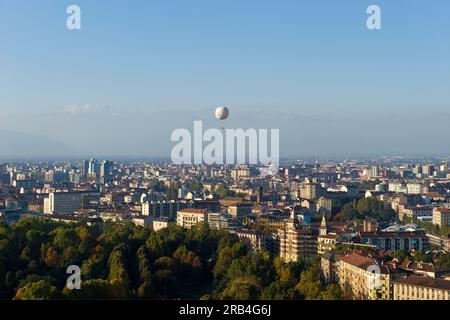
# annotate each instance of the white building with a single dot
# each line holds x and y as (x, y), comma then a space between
(65, 202)
(409, 188)
(187, 218)
(414, 188)
(161, 223)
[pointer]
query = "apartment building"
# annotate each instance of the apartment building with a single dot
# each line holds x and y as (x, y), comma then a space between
(325, 206)
(414, 212)
(189, 217)
(364, 277)
(270, 223)
(408, 237)
(310, 190)
(67, 202)
(255, 240)
(413, 287)
(162, 208)
(441, 217)
(239, 173)
(443, 243)
(161, 223)
(409, 188)
(240, 210)
(297, 241)
(221, 221)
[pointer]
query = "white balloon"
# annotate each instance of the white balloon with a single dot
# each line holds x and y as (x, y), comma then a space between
(222, 113)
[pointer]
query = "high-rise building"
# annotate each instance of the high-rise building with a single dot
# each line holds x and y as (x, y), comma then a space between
(48, 177)
(374, 171)
(85, 168)
(297, 241)
(105, 170)
(93, 167)
(417, 170)
(259, 195)
(74, 177)
(428, 170)
(310, 190)
(325, 206)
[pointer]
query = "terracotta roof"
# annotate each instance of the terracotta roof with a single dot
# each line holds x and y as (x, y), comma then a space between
(193, 210)
(425, 282)
(359, 259)
(421, 266)
(364, 260)
(443, 210)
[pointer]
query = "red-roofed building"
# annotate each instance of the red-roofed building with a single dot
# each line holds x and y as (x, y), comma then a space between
(414, 287)
(364, 276)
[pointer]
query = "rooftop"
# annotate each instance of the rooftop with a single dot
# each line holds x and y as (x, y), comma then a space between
(193, 210)
(424, 282)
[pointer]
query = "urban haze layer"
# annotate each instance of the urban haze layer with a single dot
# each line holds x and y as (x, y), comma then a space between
(135, 229)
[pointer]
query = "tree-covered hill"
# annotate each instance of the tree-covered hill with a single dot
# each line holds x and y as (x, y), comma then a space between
(124, 261)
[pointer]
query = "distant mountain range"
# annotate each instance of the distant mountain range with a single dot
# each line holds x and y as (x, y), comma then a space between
(17, 144)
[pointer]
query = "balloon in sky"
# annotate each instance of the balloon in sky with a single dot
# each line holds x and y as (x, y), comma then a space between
(222, 113)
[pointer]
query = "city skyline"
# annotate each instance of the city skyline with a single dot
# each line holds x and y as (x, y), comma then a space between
(374, 229)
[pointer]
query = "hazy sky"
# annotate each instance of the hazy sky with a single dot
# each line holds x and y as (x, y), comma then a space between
(139, 69)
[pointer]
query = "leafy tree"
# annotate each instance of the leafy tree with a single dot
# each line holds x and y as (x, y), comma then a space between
(287, 272)
(52, 257)
(195, 187)
(165, 241)
(224, 192)
(444, 261)
(127, 261)
(332, 292)
(226, 257)
(41, 290)
(118, 275)
(146, 287)
(279, 290)
(93, 289)
(167, 283)
(64, 238)
(367, 207)
(172, 193)
(189, 263)
(420, 256)
(401, 255)
(243, 288)
(309, 285)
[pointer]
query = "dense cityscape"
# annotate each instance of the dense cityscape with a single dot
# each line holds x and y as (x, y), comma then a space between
(224, 159)
(363, 229)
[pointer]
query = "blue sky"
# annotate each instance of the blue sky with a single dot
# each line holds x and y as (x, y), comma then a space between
(146, 67)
